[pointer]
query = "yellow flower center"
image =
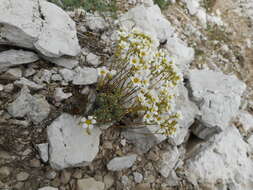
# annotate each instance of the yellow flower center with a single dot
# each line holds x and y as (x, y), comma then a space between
(136, 80)
(88, 122)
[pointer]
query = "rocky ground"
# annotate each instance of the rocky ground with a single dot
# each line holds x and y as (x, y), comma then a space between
(48, 62)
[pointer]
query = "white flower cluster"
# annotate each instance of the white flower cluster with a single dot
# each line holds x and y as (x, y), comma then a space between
(153, 75)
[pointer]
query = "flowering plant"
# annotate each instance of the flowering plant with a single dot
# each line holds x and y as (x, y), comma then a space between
(138, 83)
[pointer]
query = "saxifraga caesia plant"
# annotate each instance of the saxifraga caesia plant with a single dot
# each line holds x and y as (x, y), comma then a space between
(138, 83)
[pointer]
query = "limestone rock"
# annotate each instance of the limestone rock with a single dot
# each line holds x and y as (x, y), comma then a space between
(222, 159)
(64, 61)
(93, 59)
(25, 82)
(143, 137)
(85, 76)
(95, 22)
(38, 25)
(120, 163)
(218, 97)
(168, 161)
(69, 144)
(59, 95)
(89, 184)
(12, 58)
(43, 151)
(67, 74)
(138, 177)
(34, 107)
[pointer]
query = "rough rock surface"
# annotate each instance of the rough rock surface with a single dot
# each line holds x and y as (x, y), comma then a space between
(34, 107)
(69, 144)
(38, 25)
(25, 82)
(221, 162)
(12, 58)
(143, 137)
(218, 97)
(85, 76)
(120, 163)
(168, 161)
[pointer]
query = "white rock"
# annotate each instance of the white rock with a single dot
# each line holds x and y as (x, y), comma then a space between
(168, 161)
(67, 74)
(43, 151)
(56, 77)
(67, 62)
(85, 76)
(1, 87)
(246, 121)
(59, 95)
(34, 107)
(95, 22)
(25, 82)
(48, 188)
(90, 184)
(93, 59)
(42, 76)
(218, 97)
(40, 25)
(182, 55)
(223, 159)
(69, 144)
(143, 17)
(143, 137)
(120, 163)
(12, 58)
(124, 180)
(138, 177)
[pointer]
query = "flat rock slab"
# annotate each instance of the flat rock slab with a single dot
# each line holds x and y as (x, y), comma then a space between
(12, 58)
(38, 25)
(69, 144)
(218, 97)
(120, 163)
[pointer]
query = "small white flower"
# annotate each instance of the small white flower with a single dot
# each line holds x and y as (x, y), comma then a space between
(148, 117)
(134, 60)
(102, 71)
(88, 123)
(136, 80)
